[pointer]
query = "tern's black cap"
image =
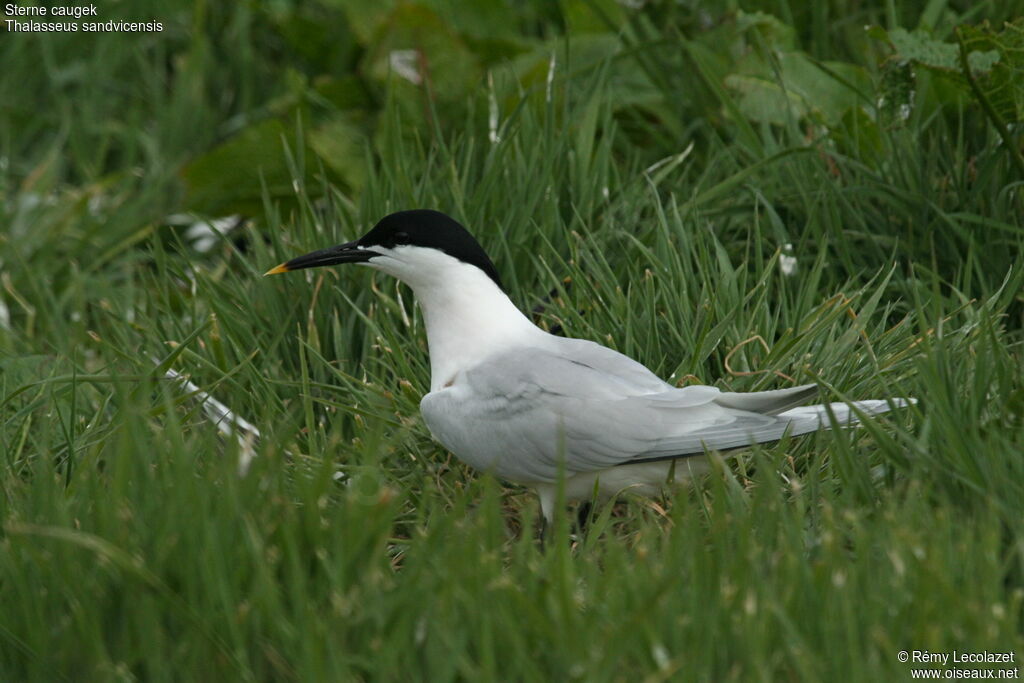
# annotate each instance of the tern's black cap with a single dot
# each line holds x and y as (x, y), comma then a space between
(433, 229)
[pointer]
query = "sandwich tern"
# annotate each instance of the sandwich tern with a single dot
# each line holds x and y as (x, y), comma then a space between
(506, 397)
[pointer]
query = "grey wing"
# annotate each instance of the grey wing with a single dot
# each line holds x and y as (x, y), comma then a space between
(608, 372)
(522, 412)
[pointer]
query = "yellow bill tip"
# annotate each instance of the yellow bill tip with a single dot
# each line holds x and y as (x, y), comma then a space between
(276, 270)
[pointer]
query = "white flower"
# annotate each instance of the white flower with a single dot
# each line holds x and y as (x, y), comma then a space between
(787, 262)
(405, 63)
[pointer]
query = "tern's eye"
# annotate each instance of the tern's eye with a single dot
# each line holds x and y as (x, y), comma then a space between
(401, 238)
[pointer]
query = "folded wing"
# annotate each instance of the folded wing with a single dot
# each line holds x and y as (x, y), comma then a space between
(520, 414)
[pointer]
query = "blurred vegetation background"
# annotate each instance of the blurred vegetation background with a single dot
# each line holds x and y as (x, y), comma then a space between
(741, 193)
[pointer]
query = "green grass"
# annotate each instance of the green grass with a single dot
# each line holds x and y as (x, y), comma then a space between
(355, 547)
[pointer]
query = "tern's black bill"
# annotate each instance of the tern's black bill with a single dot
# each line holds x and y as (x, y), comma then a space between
(343, 253)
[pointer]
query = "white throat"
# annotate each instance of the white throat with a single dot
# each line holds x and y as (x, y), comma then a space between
(467, 316)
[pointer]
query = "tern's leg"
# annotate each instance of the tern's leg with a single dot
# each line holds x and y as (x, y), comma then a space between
(583, 513)
(546, 494)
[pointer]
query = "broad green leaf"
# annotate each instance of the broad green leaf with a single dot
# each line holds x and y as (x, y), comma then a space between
(919, 47)
(365, 18)
(935, 54)
(795, 87)
(764, 100)
(995, 60)
(416, 45)
(592, 16)
(1003, 81)
(341, 146)
(574, 61)
(344, 93)
(768, 28)
(230, 177)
